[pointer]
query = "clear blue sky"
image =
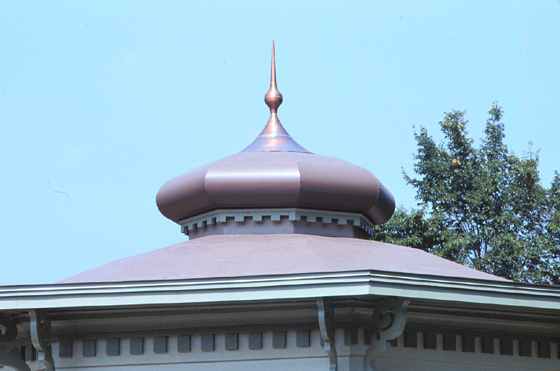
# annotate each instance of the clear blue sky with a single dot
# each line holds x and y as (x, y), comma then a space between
(107, 100)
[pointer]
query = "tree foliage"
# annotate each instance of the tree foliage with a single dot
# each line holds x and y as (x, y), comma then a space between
(483, 207)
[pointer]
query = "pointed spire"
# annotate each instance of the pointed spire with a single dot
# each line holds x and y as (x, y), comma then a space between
(273, 98)
(274, 138)
(273, 66)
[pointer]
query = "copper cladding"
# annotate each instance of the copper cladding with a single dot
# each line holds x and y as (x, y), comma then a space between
(276, 180)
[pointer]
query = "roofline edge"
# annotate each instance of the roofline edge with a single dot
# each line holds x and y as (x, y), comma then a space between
(296, 286)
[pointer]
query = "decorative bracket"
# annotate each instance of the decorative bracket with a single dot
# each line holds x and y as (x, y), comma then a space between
(389, 318)
(40, 328)
(326, 318)
(10, 357)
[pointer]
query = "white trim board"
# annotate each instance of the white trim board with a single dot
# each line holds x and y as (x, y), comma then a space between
(296, 286)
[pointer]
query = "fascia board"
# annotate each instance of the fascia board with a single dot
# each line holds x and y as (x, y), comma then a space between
(468, 291)
(285, 287)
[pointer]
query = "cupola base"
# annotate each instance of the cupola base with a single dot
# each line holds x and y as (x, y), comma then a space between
(278, 221)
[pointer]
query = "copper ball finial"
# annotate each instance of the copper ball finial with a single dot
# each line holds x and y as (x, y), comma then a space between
(273, 97)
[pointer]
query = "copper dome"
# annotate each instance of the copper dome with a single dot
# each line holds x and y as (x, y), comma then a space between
(276, 172)
(276, 180)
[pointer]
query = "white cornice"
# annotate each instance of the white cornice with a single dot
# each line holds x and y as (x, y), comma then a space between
(275, 214)
(286, 287)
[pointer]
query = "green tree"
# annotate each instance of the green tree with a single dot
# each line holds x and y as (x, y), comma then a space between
(482, 207)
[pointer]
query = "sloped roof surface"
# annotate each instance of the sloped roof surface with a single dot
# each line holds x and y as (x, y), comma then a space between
(222, 256)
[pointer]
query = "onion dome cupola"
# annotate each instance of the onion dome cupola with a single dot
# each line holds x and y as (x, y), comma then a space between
(276, 186)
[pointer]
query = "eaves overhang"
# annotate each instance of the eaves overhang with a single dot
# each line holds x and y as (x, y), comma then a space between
(285, 287)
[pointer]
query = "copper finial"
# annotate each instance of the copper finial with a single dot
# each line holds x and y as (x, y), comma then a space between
(274, 138)
(273, 98)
